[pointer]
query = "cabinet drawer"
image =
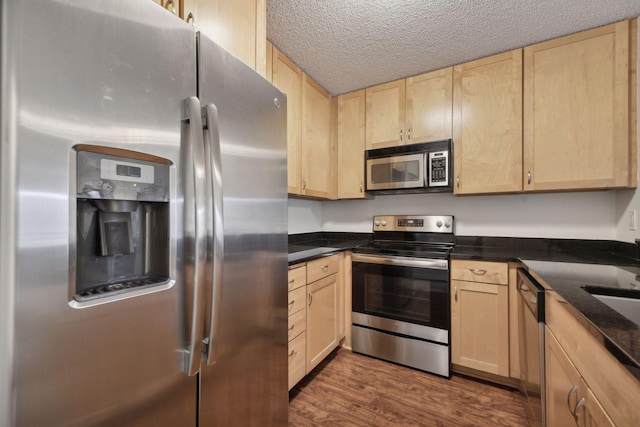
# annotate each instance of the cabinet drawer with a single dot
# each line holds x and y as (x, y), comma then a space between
(297, 323)
(322, 267)
(297, 357)
(297, 277)
(297, 300)
(480, 271)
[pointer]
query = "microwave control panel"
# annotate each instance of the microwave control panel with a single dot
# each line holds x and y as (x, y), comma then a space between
(438, 168)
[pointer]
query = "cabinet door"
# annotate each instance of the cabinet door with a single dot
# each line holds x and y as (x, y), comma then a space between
(480, 326)
(594, 414)
(429, 106)
(576, 117)
(322, 315)
(232, 25)
(318, 155)
(385, 115)
(288, 78)
(487, 124)
(562, 385)
(351, 145)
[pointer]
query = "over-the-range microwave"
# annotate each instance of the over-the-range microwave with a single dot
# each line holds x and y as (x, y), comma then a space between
(415, 168)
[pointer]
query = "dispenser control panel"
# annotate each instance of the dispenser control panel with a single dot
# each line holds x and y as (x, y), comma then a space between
(104, 176)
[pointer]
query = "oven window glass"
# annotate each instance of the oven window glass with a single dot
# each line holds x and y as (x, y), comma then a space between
(398, 171)
(414, 295)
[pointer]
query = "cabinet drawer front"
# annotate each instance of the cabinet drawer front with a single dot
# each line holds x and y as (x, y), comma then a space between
(322, 267)
(297, 277)
(297, 323)
(297, 300)
(297, 357)
(480, 271)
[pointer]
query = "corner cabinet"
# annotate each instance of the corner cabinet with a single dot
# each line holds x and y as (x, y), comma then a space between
(351, 145)
(586, 385)
(487, 124)
(288, 78)
(318, 167)
(577, 132)
(239, 26)
(480, 316)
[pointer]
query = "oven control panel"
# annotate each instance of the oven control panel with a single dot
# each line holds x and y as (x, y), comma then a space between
(414, 223)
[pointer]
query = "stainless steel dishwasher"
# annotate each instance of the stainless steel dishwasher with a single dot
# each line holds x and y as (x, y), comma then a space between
(531, 345)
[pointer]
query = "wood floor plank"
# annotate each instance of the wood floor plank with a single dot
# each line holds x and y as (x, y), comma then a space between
(349, 389)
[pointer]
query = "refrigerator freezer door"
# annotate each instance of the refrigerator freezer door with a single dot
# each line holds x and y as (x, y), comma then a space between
(97, 73)
(247, 385)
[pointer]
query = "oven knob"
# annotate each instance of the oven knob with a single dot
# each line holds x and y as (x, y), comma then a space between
(377, 223)
(384, 223)
(447, 224)
(439, 224)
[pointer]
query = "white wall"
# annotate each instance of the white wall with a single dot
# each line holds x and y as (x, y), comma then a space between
(585, 215)
(629, 200)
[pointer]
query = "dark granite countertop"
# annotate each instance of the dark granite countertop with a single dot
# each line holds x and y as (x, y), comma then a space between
(309, 246)
(618, 333)
(560, 265)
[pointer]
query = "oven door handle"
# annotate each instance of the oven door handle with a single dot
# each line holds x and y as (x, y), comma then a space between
(438, 264)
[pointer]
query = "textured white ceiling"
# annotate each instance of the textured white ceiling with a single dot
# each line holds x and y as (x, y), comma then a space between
(346, 45)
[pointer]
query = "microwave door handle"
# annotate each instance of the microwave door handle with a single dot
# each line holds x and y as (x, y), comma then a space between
(195, 245)
(216, 220)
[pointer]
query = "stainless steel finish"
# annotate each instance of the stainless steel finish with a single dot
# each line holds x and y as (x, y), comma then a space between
(528, 177)
(85, 72)
(195, 232)
(431, 223)
(531, 347)
(304, 184)
(396, 326)
(409, 134)
(310, 298)
(574, 390)
(418, 354)
(247, 385)
(276, 102)
(215, 224)
(579, 405)
(420, 179)
(438, 264)
(458, 181)
(361, 188)
(478, 271)
(455, 292)
(400, 135)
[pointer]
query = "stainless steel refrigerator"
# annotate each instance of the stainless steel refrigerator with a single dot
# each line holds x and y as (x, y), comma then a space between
(143, 225)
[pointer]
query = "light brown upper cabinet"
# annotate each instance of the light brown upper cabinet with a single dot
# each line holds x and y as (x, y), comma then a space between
(351, 145)
(577, 132)
(429, 106)
(318, 149)
(288, 78)
(385, 115)
(408, 111)
(487, 124)
(239, 26)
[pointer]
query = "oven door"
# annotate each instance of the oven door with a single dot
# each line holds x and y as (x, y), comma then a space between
(410, 290)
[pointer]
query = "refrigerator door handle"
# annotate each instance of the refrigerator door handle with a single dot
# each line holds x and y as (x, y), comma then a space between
(215, 219)
(195, 256)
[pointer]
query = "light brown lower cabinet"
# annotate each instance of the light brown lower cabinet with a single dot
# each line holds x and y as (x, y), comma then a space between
(480, 316)
(480, 326)
(322, 320)
(570, 401)
(316, 313)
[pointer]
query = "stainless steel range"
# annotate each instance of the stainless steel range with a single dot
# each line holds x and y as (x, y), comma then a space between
(400, 308)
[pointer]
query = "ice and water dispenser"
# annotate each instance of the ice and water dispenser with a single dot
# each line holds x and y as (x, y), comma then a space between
(122, 230)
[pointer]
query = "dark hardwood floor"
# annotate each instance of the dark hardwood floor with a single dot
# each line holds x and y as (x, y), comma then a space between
(349, 389)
